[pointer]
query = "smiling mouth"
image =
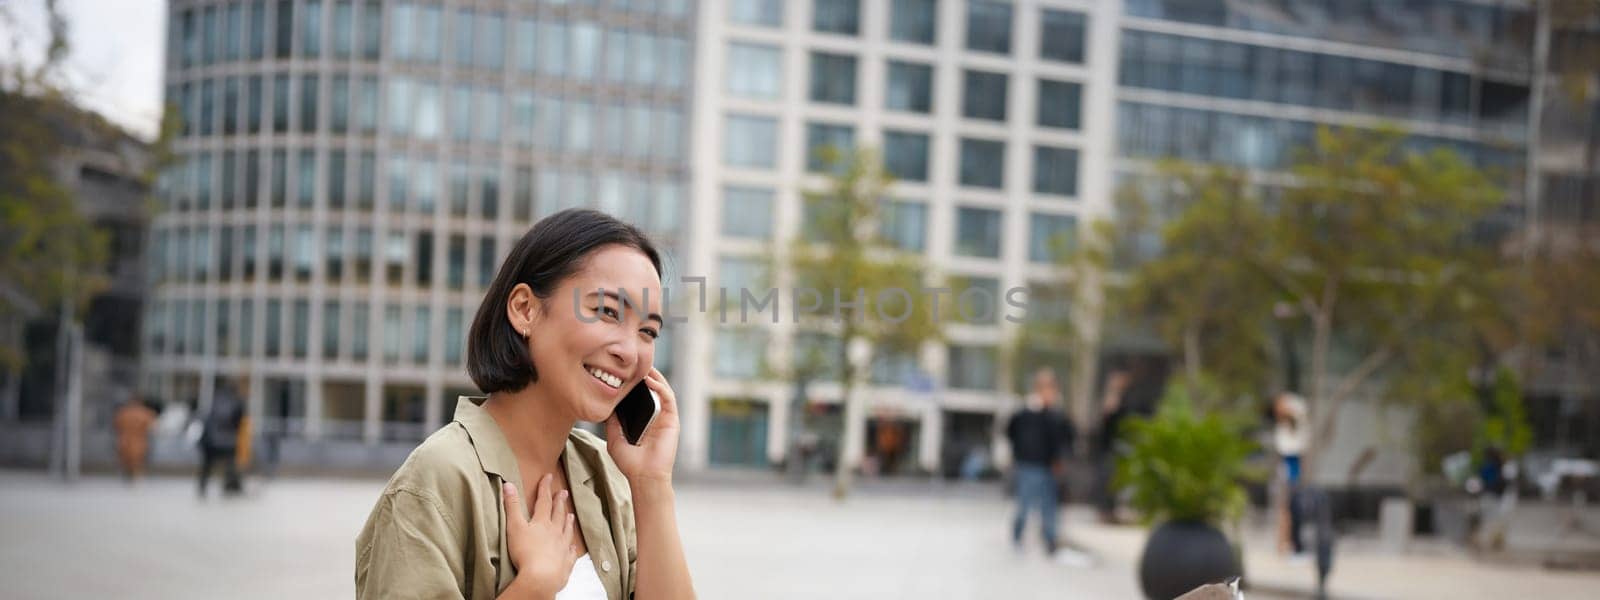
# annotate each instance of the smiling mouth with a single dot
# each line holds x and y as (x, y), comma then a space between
(607, 378)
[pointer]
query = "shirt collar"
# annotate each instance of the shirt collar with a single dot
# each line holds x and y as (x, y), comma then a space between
(494, 453)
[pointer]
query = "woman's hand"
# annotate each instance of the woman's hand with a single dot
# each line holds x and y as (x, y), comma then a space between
(650, 461)
(543, 548)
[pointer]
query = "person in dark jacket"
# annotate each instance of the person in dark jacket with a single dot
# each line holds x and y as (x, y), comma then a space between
(1113, 410)
(1041, 437)
(219, 437)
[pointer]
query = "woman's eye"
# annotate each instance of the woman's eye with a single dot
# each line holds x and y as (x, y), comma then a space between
(650, 332)
(609, 312)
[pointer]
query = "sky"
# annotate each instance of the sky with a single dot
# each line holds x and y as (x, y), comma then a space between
(117, 48)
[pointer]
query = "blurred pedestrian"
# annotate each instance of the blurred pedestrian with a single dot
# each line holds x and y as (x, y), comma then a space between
(1041, 438)
(1291, 434)
(219, 438)
(1112, 411)
(132, 423)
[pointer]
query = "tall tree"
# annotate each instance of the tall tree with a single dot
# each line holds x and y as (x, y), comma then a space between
(1370, 244)
(50, 254)
(858, 278)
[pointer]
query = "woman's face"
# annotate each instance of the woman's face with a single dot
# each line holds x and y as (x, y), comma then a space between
(594, 338)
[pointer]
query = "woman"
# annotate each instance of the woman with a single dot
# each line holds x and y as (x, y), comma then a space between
(509, 500)
(1290, 435)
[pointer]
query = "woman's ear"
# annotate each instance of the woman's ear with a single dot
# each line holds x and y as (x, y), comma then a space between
(523, 309)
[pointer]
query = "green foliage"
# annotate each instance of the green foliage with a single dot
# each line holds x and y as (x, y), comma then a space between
(1371, 242)
(1506, 426)
(1183, 464)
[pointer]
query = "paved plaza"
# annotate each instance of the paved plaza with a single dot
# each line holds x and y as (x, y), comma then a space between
(292, 538)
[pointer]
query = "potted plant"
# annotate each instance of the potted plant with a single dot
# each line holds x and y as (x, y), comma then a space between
(1184, 472)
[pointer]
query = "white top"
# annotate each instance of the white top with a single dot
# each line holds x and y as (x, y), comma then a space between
(583, 583)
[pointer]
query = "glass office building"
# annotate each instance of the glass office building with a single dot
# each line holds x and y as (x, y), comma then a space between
(350, 173)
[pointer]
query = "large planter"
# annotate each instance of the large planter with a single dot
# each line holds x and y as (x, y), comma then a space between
(1181, 556)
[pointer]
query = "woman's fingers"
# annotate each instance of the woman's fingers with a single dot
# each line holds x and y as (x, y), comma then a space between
(541, 500)
(559, 509)
(508, 492)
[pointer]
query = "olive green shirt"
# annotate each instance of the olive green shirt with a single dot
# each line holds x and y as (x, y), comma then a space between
(438, 530)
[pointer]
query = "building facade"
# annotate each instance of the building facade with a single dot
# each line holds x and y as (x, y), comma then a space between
(351, 173)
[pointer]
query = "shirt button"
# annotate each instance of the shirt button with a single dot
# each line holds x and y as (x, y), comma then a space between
(605, 565)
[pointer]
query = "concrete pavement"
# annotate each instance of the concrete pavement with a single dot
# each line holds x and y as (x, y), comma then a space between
(751, 538)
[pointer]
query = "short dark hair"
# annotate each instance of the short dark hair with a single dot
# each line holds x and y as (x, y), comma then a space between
(552, 250)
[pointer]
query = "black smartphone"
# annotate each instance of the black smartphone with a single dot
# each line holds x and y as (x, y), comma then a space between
(636, 411)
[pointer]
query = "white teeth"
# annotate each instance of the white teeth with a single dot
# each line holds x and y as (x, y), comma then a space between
(609, 379)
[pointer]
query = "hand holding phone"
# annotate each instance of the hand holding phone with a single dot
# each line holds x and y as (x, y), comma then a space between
(636, 411)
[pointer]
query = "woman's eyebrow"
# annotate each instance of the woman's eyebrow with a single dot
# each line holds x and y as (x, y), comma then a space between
(626, 303)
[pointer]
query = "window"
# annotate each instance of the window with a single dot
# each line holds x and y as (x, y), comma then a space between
(308, 104)
(395, 253)
(488, 258)
(456, 262)
(344, 39)
(392, 328)
(280, 104)
(363, 262)
(311, 28)
(982, 163)
(989, 26)
(1061, 36)
(424, 258)
(553, 42)
(978, 232)
(330, 329)
(371, 30)
(306, 191)
(274, 327)
(585, 50)
(425, 186)
(972, 367)
(258, 35)
(336, 180)
(836, 16)
(756, 12)
(1055, 170)
(285, 29)
(904, 224)
(333, 254)
(489, 192)
(301, 327)
(833, 78)
(750, 141)
(1059, 104)
(490, 41)
(522, 195)
(247, 327)
(643, 59)
(461, 113)
(747, 212)
(914, 21)
(305, 251)
(359, 325)
(525, 45)
(462, 53)
(740, 352)
(910, 87)
(754, 71)
(429, 110)
(580, 128)
(339, 111)
(366, 180)
(253, 105)
(366, 105)
(828, 145)
(983, 95)
(421, 335)
(488, 114)
(453, 337)
(905, 155)
(1049, 236)
(402, 38)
